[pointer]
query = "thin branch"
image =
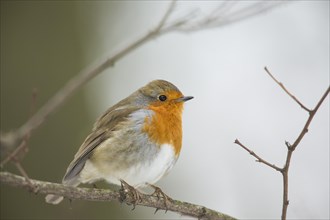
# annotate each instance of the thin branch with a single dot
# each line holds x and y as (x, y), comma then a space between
(183, 24)
(259, 159)
(309, 120)
(290, 152)
(166, 15)
(106, 195)
(23, 147)
(285, 90)
(24, 174)
(220, 18)
(13, 154)
(291, 148)
(321, 101)
(224, 7)
(77, 82)
(9, 142)
(253, 9)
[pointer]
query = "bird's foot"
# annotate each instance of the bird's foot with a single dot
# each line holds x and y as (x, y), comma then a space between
(160, 194)
(128, 189)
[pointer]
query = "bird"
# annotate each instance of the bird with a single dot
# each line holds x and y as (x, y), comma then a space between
(136, 142)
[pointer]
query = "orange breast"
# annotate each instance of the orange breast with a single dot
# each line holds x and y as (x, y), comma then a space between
(165, 126)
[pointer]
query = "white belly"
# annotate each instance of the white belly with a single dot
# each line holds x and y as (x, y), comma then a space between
(139, 174)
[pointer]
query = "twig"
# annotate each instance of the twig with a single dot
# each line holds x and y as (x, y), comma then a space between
(309, 120)
(25, 175)
(9, 142)
(78, 81)
(166, 15)
(291, 148)
(13, 154)
(285, 90)
(182, 24)
(24, 143)
(219, 17)
(259, 159)
(107, 195)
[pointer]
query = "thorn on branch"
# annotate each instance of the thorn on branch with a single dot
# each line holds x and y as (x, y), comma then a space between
(156, 210)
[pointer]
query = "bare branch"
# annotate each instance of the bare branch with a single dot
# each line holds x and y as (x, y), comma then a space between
(309, 120)
(287, 91)
(221, 16)
(253, 9)
(12, 143)
(183, 24)
(24, 174)
(106, 195)
(78, 81)
(321, 101)
(259, 159)
(166, 15)
(14, 153)
(291, 148)
(23, 147)
(290, 152)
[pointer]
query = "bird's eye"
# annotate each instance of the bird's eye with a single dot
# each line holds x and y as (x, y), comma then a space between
(162, 98)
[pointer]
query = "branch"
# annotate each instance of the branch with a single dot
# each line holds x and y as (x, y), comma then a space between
(166, 15)
(225, 14)
(291, 148)
(106, 195)
(309, 120)
(259, 159)
(15, 140)
(183, 24)
(12, 138)
(285, 90)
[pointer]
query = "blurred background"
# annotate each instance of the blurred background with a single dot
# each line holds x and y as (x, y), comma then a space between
(45, 43)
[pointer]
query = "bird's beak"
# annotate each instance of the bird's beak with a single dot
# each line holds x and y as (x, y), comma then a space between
(184, 98)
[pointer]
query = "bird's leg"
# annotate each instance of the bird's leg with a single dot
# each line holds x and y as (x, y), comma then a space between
(126, 188)
(159, 193)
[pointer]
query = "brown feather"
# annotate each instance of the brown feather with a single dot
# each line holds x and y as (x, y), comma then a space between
(106, 124)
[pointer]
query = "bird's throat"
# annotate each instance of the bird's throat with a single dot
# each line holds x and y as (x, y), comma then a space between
(165, 126)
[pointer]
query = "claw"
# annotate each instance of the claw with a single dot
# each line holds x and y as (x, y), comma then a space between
(135, 194)
(156, 210)
(159, 193)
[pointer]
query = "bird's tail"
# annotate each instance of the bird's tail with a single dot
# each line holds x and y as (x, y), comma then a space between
(53, 199)
(56, 199)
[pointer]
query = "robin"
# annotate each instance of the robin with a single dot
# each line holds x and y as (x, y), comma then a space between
(135, 142)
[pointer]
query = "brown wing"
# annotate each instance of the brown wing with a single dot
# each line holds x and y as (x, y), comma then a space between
(103, 129)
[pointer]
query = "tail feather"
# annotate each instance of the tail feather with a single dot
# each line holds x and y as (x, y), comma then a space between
(56, 199)
(53, 199)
